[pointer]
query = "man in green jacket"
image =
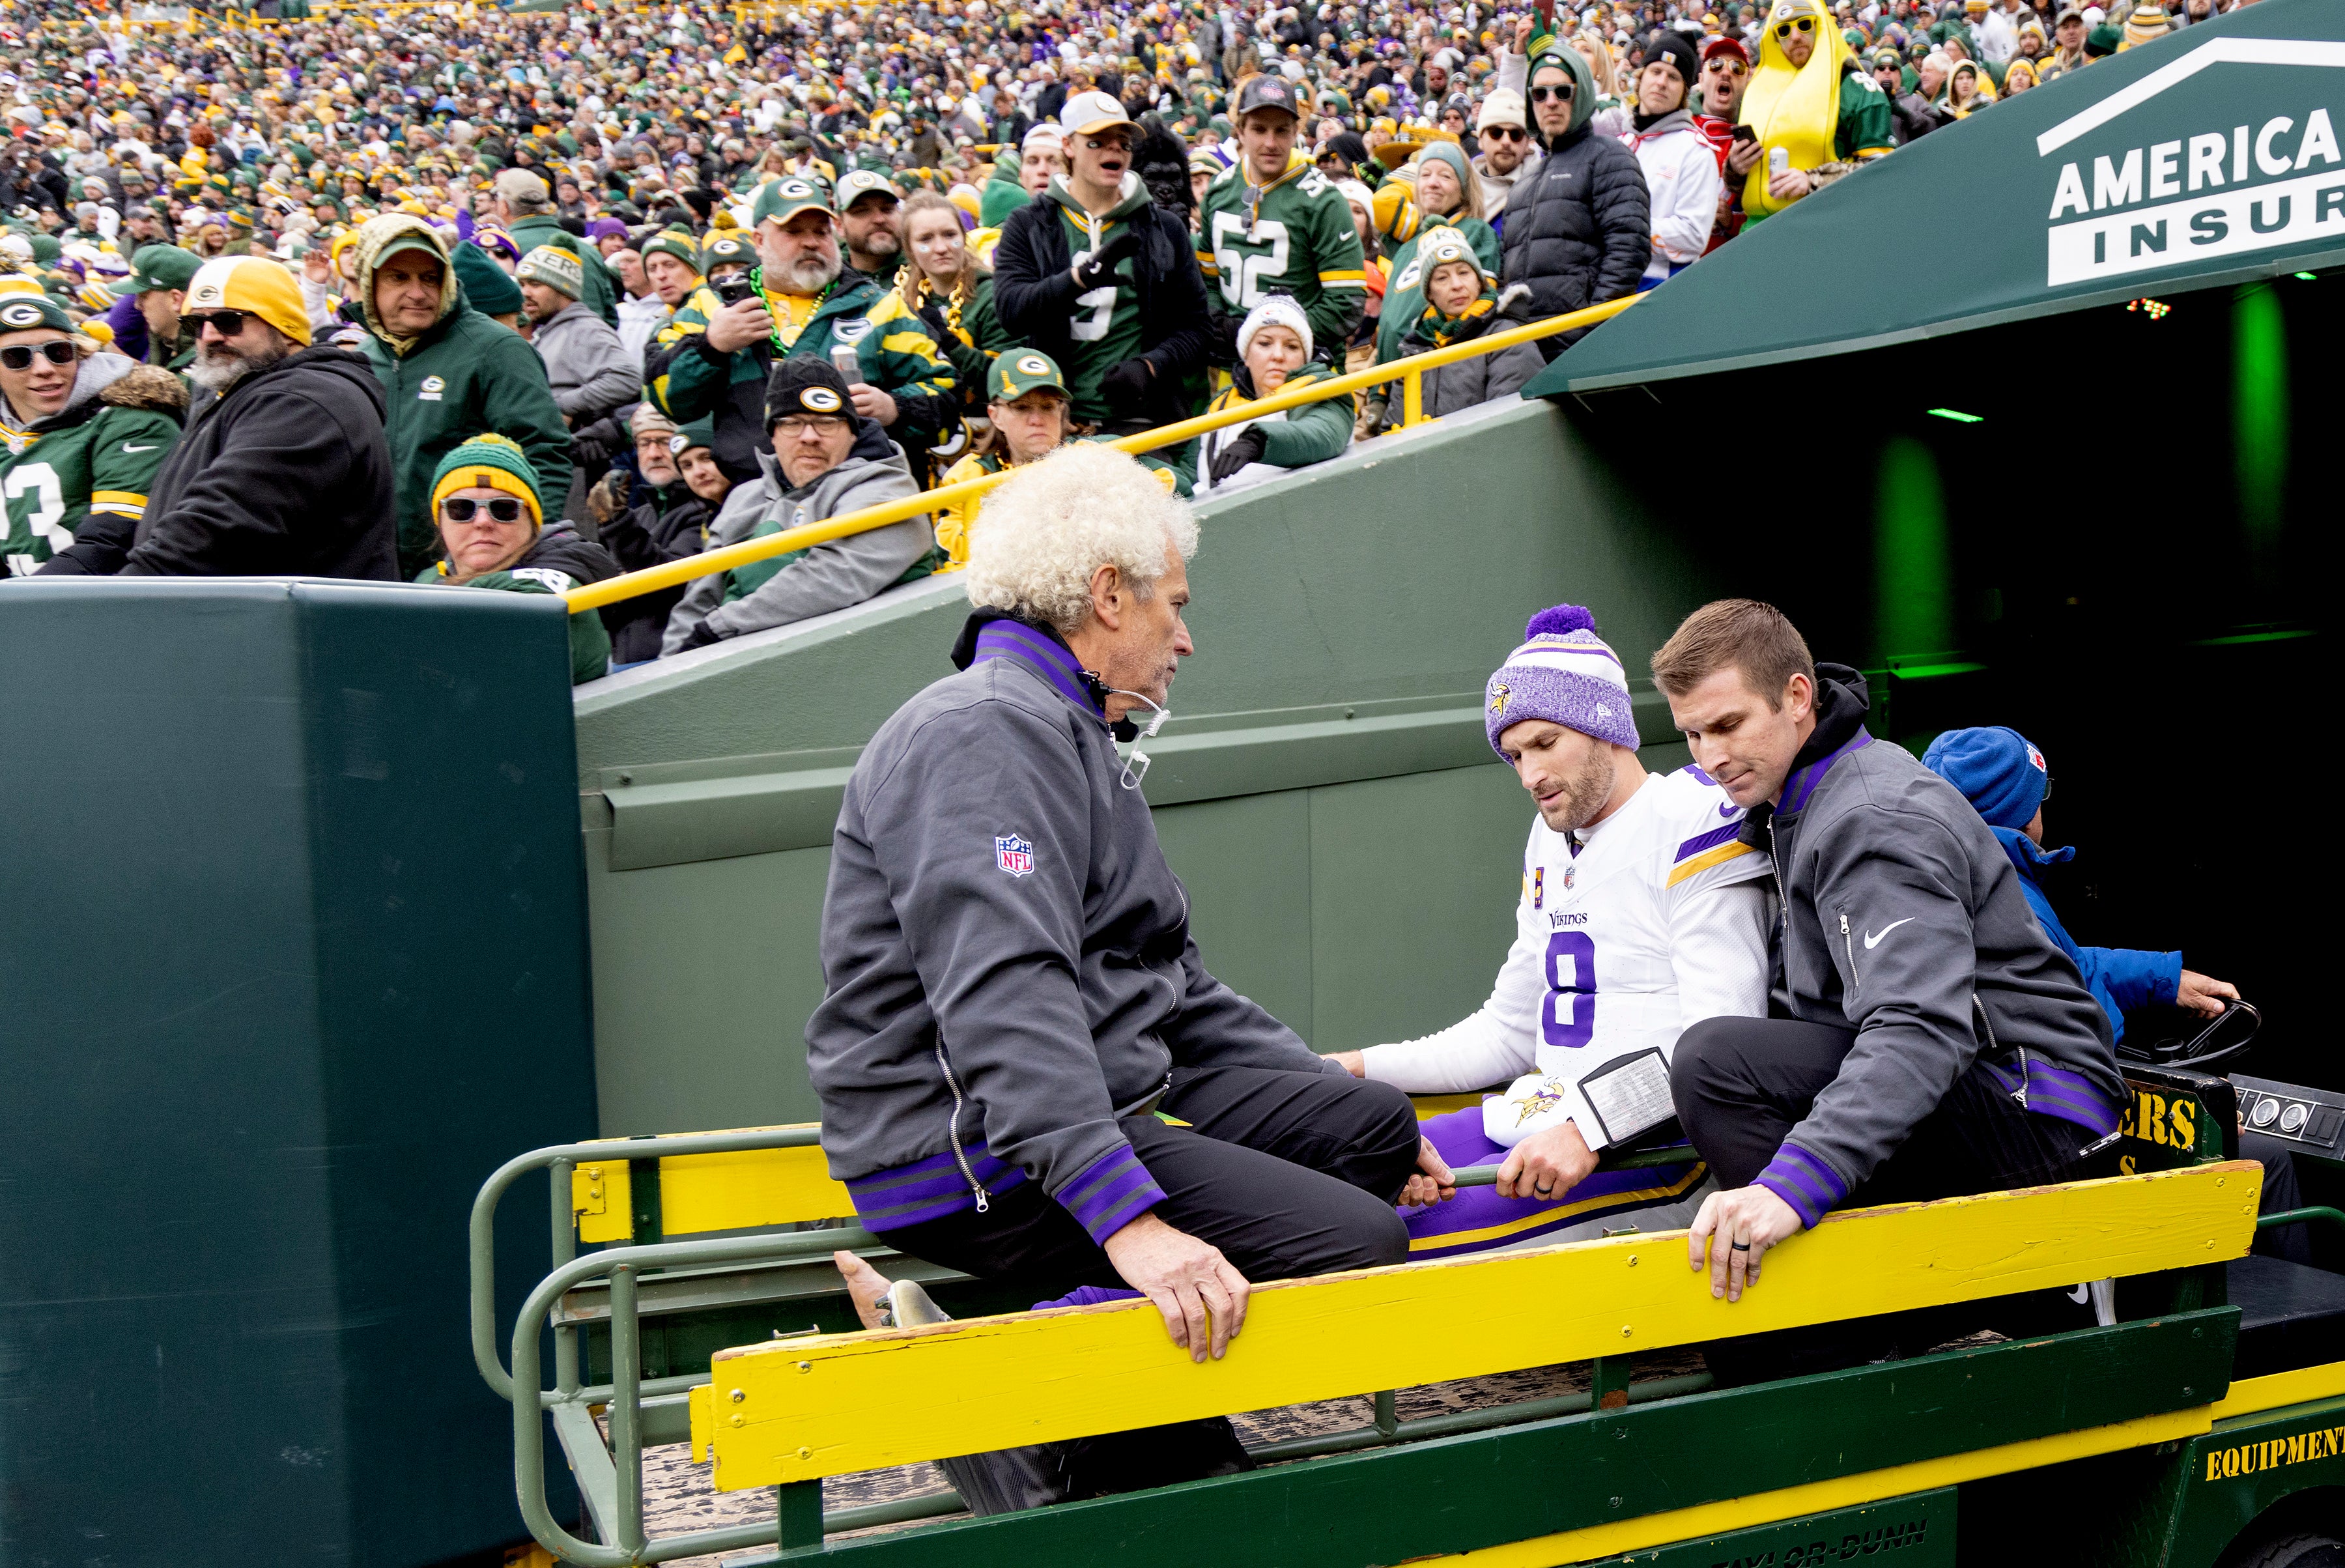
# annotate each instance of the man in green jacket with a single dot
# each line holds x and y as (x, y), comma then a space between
(805, 303)
(524, 208)
(448, 372)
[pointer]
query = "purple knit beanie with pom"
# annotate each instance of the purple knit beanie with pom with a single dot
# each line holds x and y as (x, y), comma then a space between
(1563, 673)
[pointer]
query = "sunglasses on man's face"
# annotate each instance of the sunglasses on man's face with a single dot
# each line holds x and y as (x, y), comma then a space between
(1728, 68)
(1804, 25)
(462, 509)
(1560, 94)
(1507, 133)
(227, 323)
(19, 356)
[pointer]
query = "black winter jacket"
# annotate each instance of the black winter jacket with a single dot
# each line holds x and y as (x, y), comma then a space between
(1580, 231)
(288, 475)
(665, 529)
(1034, 294)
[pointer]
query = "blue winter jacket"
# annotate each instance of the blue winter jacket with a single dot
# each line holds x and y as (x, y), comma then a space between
(2120, 978)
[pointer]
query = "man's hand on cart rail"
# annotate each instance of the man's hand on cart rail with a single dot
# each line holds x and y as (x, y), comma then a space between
(1740, 1226)
(1434, 1183)
(1547, 1165)
(1192, 1284)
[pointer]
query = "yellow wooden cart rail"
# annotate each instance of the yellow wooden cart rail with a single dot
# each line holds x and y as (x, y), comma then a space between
(1409, 372)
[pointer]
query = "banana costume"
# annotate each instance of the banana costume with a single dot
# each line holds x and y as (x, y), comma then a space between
(1793, 106)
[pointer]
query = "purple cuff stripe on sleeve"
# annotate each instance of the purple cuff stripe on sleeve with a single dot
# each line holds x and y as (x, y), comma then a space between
(1803, 1181)
(1111, 1193)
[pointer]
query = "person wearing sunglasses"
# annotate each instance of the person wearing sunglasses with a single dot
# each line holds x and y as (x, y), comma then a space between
(80, 432)
(1579, 226)
(1801, 102)
(1725, 72)
(1509, 155)
(283, 471)
(493, 534)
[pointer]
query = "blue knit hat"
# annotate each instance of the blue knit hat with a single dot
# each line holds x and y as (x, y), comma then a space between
(1563, 673)
(1996, 770)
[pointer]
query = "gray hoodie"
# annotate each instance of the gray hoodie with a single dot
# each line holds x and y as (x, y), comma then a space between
(1006, 956)
(1900, 910)
(828, 577)
(585, 363)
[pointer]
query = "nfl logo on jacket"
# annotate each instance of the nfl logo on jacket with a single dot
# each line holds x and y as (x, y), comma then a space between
(1013, 854)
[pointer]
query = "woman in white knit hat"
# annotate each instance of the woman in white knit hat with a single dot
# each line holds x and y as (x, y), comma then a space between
(1274, 350)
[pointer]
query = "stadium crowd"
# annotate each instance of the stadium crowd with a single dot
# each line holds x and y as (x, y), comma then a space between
(525, 298)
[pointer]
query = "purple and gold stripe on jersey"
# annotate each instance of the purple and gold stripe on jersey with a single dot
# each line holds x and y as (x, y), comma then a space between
(929, 1188)
(1478, 1221)
(1703, 851)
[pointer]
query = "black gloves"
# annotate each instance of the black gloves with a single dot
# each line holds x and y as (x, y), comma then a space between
(1099, 271)
(1223, 349)
(1125, 386)
(1247, 448)
(700, 637)
(588, 450)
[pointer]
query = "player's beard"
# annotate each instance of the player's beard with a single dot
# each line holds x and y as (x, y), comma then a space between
(1583, 795)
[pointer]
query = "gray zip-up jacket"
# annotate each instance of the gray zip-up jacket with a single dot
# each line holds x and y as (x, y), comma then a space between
(589, 369)
(1006, 956)
(1899, 908)
(828, 577)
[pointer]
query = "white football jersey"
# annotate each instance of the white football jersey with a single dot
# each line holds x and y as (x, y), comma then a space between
(1656, 918)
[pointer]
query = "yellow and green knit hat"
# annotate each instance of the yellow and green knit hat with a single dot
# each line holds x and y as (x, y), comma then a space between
(487, 463)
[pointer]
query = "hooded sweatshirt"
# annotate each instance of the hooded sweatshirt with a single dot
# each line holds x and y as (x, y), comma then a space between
(462, 376)
(1682, 184)
(811, 582)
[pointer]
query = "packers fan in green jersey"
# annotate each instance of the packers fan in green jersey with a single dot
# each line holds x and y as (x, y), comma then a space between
(80, 431)
(1274, 225)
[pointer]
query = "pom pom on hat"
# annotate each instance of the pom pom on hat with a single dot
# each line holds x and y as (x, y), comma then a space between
(1557, 621)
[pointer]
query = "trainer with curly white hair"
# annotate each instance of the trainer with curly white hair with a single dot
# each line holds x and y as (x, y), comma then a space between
(1012, 992)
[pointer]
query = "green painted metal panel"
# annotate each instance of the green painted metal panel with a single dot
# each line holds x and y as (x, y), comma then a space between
(704, 977)
(2226, 1478)
(1413, 891)
(1917, 1530)
(294, 956)
(1488, 1489)
(1246, 864)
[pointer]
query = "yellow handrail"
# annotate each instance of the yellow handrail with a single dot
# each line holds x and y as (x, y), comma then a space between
(667, 575)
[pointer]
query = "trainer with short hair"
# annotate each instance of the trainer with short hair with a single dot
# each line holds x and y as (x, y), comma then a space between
(1927, 1039)
(1011, 989)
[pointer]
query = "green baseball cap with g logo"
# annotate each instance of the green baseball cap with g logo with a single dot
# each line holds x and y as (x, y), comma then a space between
(1018, 371)
(783, 200)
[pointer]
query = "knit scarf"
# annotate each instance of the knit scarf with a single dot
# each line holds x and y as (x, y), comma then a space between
(1442, 331)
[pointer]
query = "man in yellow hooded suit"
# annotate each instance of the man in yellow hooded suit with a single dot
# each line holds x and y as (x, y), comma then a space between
(1807, 100)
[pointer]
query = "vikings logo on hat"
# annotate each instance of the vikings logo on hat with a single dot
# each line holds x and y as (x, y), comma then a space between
(822, 400)
(20, 313)
(1499, 697)
(1013, 854)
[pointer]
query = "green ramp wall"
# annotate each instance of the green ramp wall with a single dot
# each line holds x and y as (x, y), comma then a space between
(293, 958)
(1351, 847)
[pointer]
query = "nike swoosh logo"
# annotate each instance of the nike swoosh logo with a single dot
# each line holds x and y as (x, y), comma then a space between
(128, 447)
(1872, 942)
(1729, 809)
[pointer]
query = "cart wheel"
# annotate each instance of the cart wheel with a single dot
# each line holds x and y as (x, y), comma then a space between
(2297, 1551)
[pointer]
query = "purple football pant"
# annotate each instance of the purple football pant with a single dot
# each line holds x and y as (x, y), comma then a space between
(1663, 1198)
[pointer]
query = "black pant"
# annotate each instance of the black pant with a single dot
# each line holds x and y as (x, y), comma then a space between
(1289, 1174)
(1741, 1084)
